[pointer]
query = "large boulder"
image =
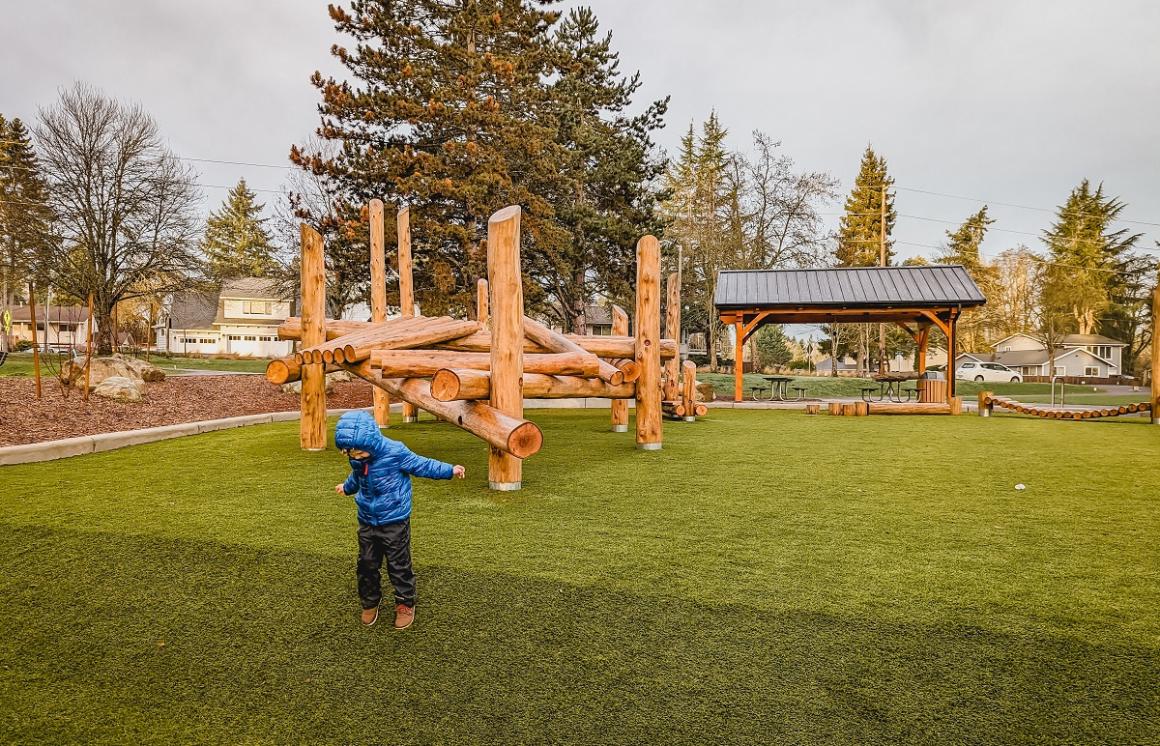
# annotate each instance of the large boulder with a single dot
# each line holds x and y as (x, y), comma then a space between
(118, 366)
(338, 376)
(705, 391)
(120, 388)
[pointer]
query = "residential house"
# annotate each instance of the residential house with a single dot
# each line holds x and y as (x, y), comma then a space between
(240, 319)
(57, 327)
(598, 319)
(1087, 358)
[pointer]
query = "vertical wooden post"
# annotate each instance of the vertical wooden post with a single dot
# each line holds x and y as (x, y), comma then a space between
(619, 406)
(406, 287)
(985, 404)
(738, 362)
(1155, 356)
(505, 471)
(89, 350)
(312, 430)
(952, 342)
(689, 389)
(672, 331)
(481, 312)
(648, 344)
(35, 339)
(382, 400)
(923, 336)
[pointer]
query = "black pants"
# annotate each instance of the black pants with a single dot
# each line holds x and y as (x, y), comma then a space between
(394, 541)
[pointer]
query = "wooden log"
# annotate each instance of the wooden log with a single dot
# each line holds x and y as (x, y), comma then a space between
(701, 409)
(504, 470)
(514, 436)
(604, 346)
(672, 331)
(878, 408)
(689, 387)
(381, 399)
(467, 384)
(956, 404)
(312, 425)
(673, 408)
(849, 409)
(481, 313)
(813, 408)
(861, 408)
(630, 368)
(425, 331)
(288, 370)
(423, 363)
(371, 333)
(557, 342)
(406, 284)
(619, 407)
(985, 404)
(648, 337)
(291, 328)
(835, 407)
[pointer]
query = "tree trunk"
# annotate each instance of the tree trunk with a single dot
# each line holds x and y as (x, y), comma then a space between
(104, 333)
(711, 338)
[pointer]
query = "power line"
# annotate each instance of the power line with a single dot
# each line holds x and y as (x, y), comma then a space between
(1012, 204)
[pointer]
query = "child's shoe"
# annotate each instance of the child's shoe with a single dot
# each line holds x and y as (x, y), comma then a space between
(369, 616)
(404, 616)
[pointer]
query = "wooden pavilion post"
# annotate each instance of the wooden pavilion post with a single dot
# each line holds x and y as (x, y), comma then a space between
(504, 470)
(923, 337)
(35, 340)
(619, 406)
(1155, 356)
(648, 344)
(406, 287)
(952, 343)
(738, 364)
(672, 331)
(382, 400)
(312, 430)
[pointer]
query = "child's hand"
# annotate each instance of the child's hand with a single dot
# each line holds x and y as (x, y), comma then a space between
(458, 471)
(338, 488)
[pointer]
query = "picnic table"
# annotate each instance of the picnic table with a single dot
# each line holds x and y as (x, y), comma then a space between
(890, 387)
(779, 390)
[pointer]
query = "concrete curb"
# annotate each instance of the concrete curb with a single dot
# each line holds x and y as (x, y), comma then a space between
(57, 449)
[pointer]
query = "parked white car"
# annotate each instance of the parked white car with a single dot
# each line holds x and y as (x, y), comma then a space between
(972, 371)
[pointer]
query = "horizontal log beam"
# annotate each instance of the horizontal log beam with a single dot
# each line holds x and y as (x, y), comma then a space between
(423, 363)
(288, 370)
(291, 328)
(456, 385)
(518, 437)
(557, 342)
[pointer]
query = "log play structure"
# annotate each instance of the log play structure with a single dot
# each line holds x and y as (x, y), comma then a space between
(476, 373)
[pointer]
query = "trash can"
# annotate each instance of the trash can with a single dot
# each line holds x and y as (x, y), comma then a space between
(932, 386)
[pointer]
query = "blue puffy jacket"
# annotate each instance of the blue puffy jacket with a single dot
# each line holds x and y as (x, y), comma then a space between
(381, 484)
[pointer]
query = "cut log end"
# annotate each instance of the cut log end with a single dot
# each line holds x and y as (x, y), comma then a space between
(525, 440)
(279, 372)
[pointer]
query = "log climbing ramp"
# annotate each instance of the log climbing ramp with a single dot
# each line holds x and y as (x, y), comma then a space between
(476, 373)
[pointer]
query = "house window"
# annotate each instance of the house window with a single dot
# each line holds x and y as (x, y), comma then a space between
(1060, 370)
(257, 307)
(1104, 351)
(235, 338)
(1091, 371)
(207, 341)
(251, 339)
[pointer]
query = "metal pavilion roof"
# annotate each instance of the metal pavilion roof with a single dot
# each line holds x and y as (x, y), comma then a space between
(929, 286)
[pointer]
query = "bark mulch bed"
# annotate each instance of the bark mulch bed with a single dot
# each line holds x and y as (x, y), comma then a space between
(169, 402)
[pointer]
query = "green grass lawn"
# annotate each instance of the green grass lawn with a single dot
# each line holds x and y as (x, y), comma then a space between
(20, 364)
(766, 578)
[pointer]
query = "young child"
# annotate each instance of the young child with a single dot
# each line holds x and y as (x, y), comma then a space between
(380, 480)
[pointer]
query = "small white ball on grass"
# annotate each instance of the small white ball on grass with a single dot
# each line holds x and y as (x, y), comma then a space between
(1020, 486)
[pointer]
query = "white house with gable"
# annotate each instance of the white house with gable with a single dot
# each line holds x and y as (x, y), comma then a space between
(1082, 357)
(242, 319)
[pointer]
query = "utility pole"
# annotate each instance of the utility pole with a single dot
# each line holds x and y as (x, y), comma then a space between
(882, 263)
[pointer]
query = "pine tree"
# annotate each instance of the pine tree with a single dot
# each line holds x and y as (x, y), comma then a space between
(443, 108)
(772, 346)
(859, 234)
(1087, 258)
(236, 242)
(25, 217)
(602, 195)
(962, 247)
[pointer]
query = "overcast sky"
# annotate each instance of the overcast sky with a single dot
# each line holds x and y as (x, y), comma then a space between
(1009, 101)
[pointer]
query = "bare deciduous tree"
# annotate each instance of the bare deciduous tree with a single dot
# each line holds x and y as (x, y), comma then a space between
(126, 220)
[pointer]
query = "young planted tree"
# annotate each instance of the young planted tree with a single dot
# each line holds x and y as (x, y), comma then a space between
(25, 215)
(772, 347)
(236, 243)
(125, 223)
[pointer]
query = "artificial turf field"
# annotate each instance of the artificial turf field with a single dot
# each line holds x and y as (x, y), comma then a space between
(767, 577)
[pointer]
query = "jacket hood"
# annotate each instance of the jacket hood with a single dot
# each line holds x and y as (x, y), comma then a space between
(359, 430)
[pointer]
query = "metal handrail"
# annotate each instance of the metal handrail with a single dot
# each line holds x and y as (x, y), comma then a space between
(1061, 391)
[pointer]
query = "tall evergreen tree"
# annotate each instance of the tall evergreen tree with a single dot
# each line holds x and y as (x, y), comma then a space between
(1087, 257)
(860, 230)
(962, 247)
(236, 242)
(25, 217)
(602, 195)
(444, 109)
